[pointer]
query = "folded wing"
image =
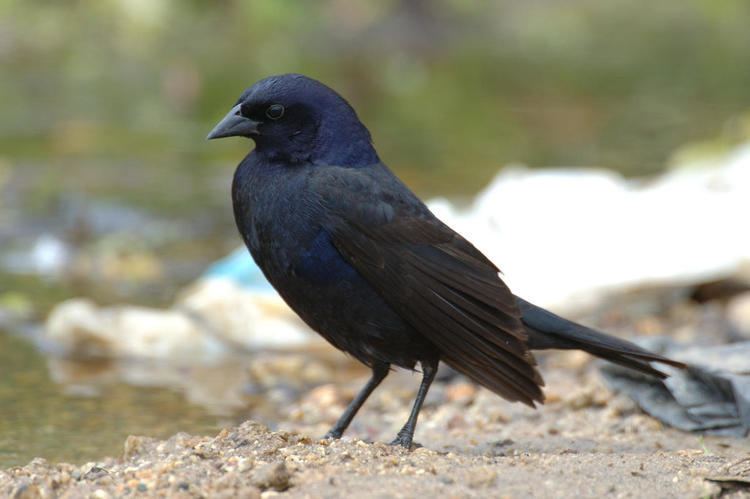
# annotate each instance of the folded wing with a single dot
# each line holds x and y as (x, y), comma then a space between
(436, 280)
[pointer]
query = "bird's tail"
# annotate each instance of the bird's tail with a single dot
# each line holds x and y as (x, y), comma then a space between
(549, 331)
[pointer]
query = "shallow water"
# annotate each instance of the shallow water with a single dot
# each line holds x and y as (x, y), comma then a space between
(73, 410)
(39, 418)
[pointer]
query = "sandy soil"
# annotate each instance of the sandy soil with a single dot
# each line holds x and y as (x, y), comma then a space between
(585, 442)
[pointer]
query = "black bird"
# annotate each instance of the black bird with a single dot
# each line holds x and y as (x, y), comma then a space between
(364, 262)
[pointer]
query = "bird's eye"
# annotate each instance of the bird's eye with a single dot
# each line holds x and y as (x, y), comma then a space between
(275, 111)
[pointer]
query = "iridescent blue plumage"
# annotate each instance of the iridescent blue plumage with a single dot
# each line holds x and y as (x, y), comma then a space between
(322, 264)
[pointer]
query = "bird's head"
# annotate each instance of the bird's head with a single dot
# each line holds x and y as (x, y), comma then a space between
(296, 119)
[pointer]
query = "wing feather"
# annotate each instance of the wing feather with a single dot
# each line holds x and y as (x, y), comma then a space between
(435, 279)
(459, 304)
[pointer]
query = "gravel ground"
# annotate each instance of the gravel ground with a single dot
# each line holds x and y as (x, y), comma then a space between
(585, 442)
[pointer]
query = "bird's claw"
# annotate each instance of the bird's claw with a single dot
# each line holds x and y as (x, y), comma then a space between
(333, 435)
(403, 440)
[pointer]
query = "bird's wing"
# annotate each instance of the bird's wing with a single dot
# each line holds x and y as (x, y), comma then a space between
(434, 278)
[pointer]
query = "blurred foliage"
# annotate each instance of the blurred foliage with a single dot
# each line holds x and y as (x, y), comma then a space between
(106, 96)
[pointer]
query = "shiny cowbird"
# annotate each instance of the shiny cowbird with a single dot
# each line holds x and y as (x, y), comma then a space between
(367, 265)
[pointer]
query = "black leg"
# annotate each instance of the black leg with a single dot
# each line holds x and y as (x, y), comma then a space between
(379, 372)
(405, 436)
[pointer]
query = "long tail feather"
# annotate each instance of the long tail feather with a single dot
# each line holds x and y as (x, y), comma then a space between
(550, 331)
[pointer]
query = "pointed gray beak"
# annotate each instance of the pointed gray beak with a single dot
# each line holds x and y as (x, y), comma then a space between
(234, 125)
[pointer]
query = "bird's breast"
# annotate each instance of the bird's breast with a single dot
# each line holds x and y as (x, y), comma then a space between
(280, 223)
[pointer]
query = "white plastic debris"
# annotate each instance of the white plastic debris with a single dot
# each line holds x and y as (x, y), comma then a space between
(81, 328)
(243, 317)
(564, 236)
(213, 318)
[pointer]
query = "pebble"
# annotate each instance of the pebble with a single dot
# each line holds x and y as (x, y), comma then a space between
(135, 445)
(480, 478)
(271, 476)
(461, 393)
(324, 395)
(587, 397)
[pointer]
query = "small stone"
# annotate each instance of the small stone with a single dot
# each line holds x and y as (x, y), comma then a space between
(248, 493)
(38, 462)
(551, 397)
(27, 491)
(480, 478)
(324, 396)
(271, 476)
(245, 464)
(461, 393)
(586, 397)
(95, 473)
(135, 445)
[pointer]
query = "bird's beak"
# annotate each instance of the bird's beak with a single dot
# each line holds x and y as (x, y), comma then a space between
(233, 125)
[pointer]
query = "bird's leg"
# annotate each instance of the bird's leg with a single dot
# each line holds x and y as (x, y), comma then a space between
(379, 372)
(405, 436)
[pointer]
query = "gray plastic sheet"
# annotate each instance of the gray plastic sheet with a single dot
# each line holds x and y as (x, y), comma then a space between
(711, 396)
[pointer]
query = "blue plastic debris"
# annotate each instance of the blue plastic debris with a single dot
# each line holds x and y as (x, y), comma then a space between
(239, 267)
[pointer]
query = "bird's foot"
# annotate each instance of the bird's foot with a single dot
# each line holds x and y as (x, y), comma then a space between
(333, 434)
(404, 440)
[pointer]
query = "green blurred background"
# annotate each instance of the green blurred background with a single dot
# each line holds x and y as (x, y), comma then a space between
(98, 93)
(105, 105)
(110, 101)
